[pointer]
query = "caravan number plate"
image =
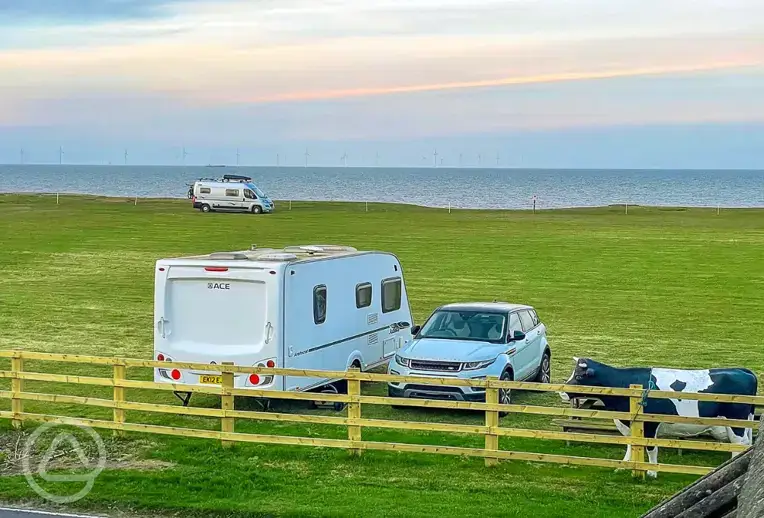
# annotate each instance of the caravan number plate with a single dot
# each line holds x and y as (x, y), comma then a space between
(211, 379)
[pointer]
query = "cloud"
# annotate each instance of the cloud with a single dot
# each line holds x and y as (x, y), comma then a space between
(497, 82)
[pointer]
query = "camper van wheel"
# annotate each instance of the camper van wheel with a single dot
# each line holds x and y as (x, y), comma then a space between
(205, 208)
(256, 209)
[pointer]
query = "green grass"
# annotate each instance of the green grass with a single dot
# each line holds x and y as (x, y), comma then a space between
(680, 288)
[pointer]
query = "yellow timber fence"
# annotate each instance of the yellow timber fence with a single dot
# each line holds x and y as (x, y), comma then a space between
(354, 422)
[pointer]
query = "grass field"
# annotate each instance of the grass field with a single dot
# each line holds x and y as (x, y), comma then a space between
(668, 287)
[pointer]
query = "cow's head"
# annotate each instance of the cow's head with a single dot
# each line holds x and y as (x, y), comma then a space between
(583, 374)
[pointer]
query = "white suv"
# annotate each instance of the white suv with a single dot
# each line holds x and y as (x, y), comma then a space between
(472, 341)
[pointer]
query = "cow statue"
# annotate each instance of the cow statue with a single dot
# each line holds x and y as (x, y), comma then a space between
(735, 381)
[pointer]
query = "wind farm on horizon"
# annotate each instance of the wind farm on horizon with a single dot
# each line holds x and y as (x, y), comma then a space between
(437, 160)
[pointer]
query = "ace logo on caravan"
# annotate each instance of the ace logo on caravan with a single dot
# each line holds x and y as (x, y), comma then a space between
(218, 286)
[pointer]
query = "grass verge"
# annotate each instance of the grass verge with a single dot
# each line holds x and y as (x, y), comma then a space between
(680, 288)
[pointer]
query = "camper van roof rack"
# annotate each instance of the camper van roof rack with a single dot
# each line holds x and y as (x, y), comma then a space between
(236, 178)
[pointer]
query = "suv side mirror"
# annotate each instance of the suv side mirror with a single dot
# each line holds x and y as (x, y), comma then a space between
(415, 329)
(516, 336)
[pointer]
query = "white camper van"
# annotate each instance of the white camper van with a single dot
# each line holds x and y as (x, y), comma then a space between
(305, 307)
(232, 193)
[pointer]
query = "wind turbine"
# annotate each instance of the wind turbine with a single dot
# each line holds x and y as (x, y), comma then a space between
(306, 157)
(435, 160)
(22, 156)
(480, 159)
(185, 154)
(278, 160)
(237, 157)
(497, 160)
(125, 156)
(460, 159)
(376, 159)
(344, 159)
(60, 155)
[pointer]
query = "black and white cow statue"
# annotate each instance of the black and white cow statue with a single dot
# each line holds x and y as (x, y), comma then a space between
(735, 381)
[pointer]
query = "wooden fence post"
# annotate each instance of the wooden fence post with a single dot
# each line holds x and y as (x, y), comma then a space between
(354, 411)
(17, 386)
(491, 421)
(226, 403)
(637, 431)
(119, 397)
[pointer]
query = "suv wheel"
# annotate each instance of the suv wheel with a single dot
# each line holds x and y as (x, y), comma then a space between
(505, 395)
(545, 370)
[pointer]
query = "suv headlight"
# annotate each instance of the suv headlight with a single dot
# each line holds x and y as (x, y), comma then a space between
(400, 360)
(471, 366)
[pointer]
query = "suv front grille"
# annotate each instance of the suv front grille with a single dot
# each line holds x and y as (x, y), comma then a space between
(424, 365)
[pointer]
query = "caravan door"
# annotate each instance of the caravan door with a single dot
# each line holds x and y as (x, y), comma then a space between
(215, 313)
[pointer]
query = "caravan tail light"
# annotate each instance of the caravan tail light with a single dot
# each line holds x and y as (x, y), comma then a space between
(254, 379)
(215, 269)
(160, 357)
(175, 374)
(270, 364)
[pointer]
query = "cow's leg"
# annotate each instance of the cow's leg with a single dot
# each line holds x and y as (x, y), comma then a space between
(651, 432)
(626, 432)
(652, 457)
(738, 436)
(749, 431)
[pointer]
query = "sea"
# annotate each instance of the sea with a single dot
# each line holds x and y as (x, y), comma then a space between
(432, 186)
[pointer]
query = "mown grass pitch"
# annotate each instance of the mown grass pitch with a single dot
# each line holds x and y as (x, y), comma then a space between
(663, 287)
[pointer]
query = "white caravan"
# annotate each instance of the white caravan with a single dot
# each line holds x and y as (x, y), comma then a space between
(303, 307)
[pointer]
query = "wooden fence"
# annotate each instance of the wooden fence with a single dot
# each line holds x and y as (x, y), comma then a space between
(354, 422)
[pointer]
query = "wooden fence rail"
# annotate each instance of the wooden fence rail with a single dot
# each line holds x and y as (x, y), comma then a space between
(354, 422)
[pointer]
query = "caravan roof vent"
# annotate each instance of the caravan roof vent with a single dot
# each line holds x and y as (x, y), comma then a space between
(336, 248)
(228, 256)
(319, 249)
(277, 256)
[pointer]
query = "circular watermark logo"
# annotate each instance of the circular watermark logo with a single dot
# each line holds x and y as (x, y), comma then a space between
(64, 443)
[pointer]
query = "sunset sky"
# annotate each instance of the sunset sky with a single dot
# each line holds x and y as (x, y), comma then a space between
(540, 83)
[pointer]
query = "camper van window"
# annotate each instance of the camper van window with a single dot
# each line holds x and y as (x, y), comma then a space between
(391, 294)
(363, 295)
(204, 190)
(249, 194)
(232, 192)
(319, 304)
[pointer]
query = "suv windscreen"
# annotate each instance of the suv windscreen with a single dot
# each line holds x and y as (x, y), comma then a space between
(484, 326)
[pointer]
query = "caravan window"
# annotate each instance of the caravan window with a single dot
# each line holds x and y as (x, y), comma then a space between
(232, 192)
(319, 304)
(204, 190)
(363, 295)
(391, 294)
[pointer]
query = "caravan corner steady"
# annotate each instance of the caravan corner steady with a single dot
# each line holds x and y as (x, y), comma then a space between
(320, 307)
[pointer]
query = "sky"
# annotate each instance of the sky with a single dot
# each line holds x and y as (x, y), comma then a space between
(507, 83)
